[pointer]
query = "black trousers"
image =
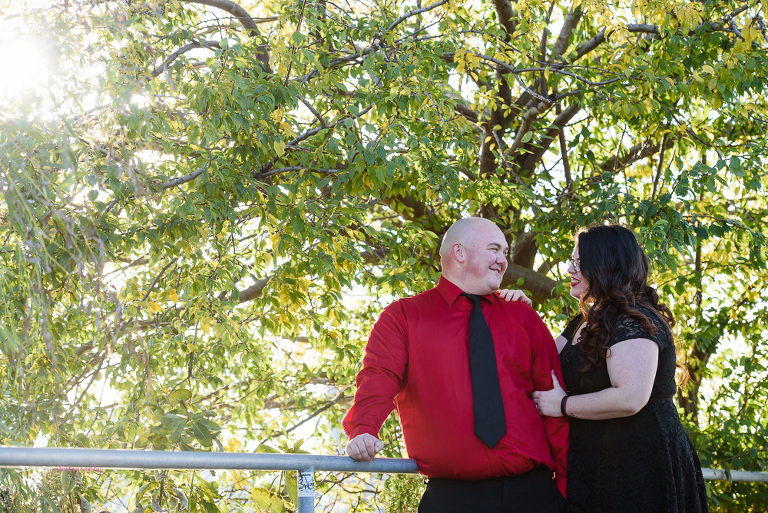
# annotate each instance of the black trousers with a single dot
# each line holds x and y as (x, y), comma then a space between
(534, 492)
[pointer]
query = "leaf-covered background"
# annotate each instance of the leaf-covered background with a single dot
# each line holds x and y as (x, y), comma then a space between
(205, 204)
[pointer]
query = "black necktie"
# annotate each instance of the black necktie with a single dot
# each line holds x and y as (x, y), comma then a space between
(490, 425)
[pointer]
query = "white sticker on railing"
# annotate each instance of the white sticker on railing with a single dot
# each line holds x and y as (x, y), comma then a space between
(306, 484)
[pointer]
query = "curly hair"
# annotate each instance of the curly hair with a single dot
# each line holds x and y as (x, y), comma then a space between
(616, 270)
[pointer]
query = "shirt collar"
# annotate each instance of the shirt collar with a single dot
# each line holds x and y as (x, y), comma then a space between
(450, 292)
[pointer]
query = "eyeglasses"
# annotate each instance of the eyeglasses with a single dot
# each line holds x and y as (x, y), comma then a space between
(576, 264)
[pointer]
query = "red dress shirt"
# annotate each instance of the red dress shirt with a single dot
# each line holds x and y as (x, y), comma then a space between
(417, 361)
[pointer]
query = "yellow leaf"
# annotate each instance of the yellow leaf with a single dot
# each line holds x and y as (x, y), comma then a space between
(173, 296)
(708, 69)
(234, 445)
(267, 501)
(286, 128)
(238, 480)
(279, 148)
(154, 306)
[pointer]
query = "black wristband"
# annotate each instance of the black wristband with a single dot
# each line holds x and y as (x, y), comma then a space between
(562, 405)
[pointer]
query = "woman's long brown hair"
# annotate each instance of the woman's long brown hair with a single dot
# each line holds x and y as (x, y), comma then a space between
(616, 270)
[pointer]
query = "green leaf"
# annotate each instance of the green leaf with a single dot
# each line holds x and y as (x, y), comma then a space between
(156, 506)
(67, 481)
(181, 394)
(201, 434)
(291, 486)
(267, 449)
(143, 439)
(735, 167)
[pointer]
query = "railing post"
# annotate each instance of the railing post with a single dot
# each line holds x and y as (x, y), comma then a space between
(306, 490)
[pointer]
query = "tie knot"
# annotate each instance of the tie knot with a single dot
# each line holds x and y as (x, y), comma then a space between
(472, 297)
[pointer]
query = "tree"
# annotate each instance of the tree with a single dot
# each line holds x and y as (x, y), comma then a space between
(208, 204)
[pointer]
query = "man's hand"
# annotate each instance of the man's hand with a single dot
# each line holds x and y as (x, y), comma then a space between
(364, 447)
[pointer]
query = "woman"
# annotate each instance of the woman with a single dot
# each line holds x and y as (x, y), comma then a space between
(629, 451)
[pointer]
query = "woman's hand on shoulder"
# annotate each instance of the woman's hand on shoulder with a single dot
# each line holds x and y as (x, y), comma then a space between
(513, 295)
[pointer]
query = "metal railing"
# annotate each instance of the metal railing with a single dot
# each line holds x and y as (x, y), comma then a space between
(305, 464)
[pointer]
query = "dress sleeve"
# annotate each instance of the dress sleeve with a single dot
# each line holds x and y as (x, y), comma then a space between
(384, 365)
(627, 328)
(571, 328)
(544, 362)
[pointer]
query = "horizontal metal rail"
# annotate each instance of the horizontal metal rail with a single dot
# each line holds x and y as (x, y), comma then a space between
(191, 460)
(304, 464)
(716, 474)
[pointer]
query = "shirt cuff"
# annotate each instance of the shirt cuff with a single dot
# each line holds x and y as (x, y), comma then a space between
(360, 430)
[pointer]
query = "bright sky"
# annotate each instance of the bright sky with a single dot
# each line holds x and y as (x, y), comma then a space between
(23, 63)
(24, 66)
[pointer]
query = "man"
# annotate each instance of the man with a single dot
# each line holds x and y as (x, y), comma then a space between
(460, 370)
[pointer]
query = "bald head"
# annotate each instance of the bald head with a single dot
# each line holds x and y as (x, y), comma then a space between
(461, 232)
(473, 255)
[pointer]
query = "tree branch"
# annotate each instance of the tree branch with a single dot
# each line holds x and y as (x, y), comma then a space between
(253, 291)
(506, 15)
(303, 137)
(157, 278)
(182, 179)
(566, 163)
(414, 13)
(246, 20)
(541, 287)
(314, 112)
(236, 10)
(660, 167)
(181, 51)
(417, 209)
(525, 125)
(600, 38)
(635, 153)
(468, 113)
(530, 160)
(554, 69)
(563, 40)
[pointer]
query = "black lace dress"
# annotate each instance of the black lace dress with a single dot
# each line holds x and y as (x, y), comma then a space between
(644, 463)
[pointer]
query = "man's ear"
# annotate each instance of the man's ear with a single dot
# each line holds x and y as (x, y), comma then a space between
(459, 252)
